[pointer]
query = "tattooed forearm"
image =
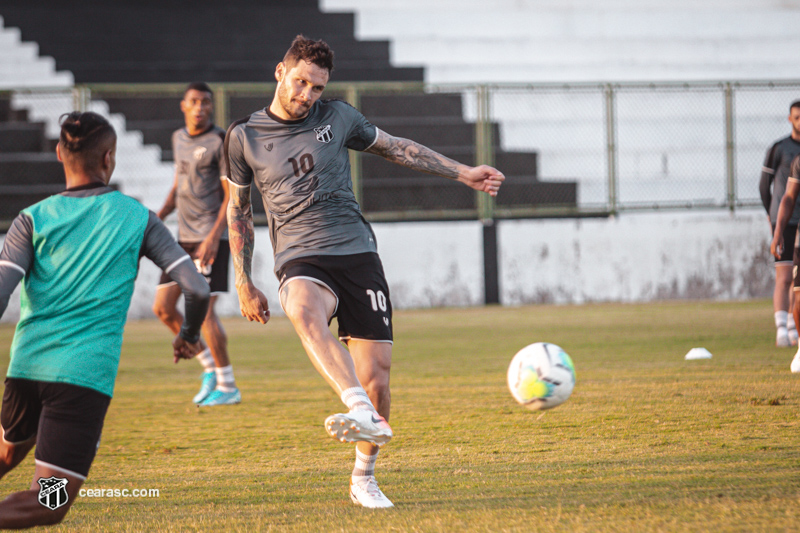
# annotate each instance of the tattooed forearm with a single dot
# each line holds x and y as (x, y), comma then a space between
(414, 155)
(241, 235)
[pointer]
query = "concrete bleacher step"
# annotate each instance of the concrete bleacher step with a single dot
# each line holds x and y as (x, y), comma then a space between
(22, 137)
(30, 168)
(168, 49)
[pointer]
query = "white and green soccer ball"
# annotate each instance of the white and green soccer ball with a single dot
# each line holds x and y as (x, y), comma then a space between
(541, 376)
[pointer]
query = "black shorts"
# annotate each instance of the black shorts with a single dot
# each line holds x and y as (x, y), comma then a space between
(65, 419)
(216, 275)
(789, 244)
(363, 308)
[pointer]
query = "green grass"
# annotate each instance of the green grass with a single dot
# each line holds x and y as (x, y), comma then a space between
(647, 442)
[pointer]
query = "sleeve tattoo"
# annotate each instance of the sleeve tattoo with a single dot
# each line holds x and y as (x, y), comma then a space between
(414, 155)
(241, 234)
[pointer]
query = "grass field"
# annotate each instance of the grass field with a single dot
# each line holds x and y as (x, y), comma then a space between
(647, 442)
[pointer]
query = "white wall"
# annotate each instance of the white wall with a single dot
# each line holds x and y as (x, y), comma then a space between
(630, 258)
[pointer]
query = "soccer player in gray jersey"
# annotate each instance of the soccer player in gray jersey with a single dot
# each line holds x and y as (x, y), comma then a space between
(77, 254)
(200, 194)
(779, 243)
(772, 187)
(296, 151)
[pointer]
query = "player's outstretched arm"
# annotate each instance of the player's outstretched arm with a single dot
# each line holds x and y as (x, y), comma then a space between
(241, 237)
(418, 157)
(784, 214)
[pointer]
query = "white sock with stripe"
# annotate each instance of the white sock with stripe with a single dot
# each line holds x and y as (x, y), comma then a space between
(356, 399)
(206, 359)
(225, 381)
(780, 319)
(365, 465)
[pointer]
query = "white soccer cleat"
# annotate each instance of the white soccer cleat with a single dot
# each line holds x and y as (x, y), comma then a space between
(782, 338)
(365, 492)
(792, 336)
(359, 426)
(795, 366)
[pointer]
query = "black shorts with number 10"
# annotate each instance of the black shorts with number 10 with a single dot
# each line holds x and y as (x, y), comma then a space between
(363, 309)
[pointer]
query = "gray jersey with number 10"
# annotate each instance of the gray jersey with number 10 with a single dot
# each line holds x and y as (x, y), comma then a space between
(302, 169)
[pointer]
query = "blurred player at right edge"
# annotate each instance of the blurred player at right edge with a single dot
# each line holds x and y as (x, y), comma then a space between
(780, 245)
(296, 152)
(772, 186)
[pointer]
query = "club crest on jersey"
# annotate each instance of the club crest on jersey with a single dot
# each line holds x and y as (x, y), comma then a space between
(199, 152)
(53, 492)
(324, 133)
(268, 147)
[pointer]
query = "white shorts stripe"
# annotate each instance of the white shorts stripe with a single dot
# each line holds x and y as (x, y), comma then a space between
(349, 338)
(173, 265)
(68, 472)
(12, 265)
(236, 184)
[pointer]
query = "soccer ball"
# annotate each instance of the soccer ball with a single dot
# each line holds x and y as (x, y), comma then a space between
(541, 376)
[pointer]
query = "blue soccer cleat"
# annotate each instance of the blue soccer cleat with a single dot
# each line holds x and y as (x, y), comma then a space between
(208, 386)
(218, 397)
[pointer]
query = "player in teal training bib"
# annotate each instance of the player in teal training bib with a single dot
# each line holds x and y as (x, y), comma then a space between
(77, 254)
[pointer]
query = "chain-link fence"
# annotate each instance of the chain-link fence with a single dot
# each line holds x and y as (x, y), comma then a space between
(567, 150)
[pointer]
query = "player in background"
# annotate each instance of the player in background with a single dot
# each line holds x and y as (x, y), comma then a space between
(326, 257)
(779, 243)
(772, 186)
(77, 254)
(200, 195)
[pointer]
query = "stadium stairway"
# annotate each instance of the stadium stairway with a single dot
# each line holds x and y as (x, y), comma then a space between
(530, 41)
(32, 97)
(582, 41)
(133, 42)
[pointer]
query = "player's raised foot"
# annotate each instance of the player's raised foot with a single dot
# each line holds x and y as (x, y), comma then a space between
(207, 387)
(218, 397)
(364, 491)
(795, 366)
(359, 426)
(782, 338)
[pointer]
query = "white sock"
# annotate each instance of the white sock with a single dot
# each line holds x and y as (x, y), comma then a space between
(225, 381)
(780, 319)
(356, 399)
(790, 322)
(365, 465)
(206, 359)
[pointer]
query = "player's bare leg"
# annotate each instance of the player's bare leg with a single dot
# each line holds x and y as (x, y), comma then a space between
(780, 302)
(225, 391)
(373, 362)
(12, 454)
(22, 509)
(309, 307)
(165, 307)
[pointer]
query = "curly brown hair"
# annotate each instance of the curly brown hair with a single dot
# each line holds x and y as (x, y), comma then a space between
(315, 52)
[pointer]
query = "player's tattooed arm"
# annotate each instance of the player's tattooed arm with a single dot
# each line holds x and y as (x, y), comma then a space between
(418, 157)
(414, 155)
(241, 234)
(241, 237)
